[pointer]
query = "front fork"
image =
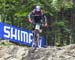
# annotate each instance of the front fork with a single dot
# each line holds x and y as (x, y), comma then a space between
(36, 38)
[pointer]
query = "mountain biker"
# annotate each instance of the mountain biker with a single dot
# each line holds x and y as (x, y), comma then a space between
(35, 16)
(34, 19)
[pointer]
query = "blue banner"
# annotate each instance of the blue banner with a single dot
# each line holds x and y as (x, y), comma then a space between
(18, 35)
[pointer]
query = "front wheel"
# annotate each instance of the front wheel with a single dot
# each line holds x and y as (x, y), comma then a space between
(36, 37)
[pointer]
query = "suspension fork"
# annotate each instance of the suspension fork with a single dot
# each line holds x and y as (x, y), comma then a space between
(36, 37)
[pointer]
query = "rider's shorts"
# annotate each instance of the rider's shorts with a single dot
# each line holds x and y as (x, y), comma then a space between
(33, 26)
(36, 19)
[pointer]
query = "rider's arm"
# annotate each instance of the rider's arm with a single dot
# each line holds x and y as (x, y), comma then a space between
(29, 17)
(46, 24)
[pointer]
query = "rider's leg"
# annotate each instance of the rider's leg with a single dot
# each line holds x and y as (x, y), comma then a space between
(35, 39)
(39, 37)
(33, 32)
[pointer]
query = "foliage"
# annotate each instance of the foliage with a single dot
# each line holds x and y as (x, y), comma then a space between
(15, 12)
(59, 24)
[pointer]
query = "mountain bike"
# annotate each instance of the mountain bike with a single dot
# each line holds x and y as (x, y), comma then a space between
(37, 35)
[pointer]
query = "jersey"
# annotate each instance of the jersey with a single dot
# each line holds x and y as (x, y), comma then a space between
(37, 16)
(39, 13)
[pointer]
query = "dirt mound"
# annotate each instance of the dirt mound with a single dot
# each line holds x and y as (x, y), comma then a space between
(15, 52)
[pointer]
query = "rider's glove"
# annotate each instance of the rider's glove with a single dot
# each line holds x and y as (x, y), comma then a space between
(46, 25)
(30, 20)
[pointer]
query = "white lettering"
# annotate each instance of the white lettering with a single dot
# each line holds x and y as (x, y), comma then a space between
(13, 33)
(27, 41)
(18, 34)
(30, 35)
(21, 36)
(24, 36)
(7, 31)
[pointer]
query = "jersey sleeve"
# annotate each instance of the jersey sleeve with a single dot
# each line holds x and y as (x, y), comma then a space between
(29, 15)
(45, 18)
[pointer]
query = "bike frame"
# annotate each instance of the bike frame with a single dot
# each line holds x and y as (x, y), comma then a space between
(37, 35)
